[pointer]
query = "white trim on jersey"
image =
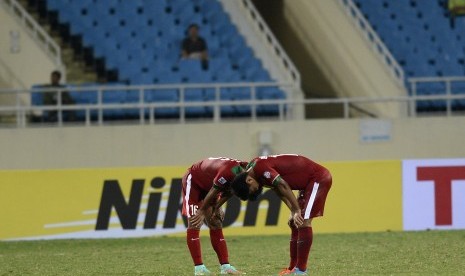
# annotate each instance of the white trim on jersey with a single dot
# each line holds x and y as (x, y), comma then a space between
(309, 207)
(276, 177)
(186, 197)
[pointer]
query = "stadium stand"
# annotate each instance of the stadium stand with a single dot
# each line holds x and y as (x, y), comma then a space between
(139, 42)
(421, 38)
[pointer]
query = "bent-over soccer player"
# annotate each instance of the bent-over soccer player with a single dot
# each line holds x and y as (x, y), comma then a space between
(205, 187)
(284, 173)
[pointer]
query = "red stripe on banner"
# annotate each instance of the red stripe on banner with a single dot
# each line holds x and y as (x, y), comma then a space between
(442, 178)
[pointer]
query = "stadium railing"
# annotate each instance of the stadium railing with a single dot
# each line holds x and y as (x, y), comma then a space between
(44, 40)
(19, 115)
(94, 111)
(372, 37)
(448, 88)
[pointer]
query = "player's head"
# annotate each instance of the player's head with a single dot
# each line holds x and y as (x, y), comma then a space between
(246, 187)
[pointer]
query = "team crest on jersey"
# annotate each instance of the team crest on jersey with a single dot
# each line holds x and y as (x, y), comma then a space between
(222, 180)
(267, 174)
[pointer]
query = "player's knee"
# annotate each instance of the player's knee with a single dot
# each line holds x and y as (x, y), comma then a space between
(190, 226)
(215, 227)
(307, 223)
(193, 227)
(214, 224)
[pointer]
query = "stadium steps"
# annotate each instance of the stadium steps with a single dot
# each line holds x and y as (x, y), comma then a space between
(76, 70)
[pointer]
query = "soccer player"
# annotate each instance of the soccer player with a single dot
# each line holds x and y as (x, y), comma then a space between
(284, 173)
(205, 188)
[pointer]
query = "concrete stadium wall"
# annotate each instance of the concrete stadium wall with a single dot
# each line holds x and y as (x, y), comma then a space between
(28, 64)
(176, 144)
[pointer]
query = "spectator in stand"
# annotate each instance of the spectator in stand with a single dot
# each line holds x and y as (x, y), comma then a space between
(51, 98)
(194, 46)
(456, 8)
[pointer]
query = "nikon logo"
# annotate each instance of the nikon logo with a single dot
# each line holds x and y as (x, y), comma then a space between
(128, 211)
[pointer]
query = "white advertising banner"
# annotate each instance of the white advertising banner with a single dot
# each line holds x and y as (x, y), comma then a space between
(433, 194)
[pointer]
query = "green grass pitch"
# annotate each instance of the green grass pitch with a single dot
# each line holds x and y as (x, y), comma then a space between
(389, 253)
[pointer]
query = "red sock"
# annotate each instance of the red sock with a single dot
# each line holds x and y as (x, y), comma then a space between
(193, 242)
(303, 247)
(219, 245)
(293, 247)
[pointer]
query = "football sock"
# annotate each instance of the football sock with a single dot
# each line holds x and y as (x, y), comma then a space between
(219, 245)
(193, 242)
(304, 244)
(293, 247)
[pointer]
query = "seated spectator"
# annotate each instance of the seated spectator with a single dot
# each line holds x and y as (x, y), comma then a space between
(456, 8)
(194, 46)
(51, 98)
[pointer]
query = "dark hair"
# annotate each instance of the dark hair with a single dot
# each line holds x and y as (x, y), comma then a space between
(240, 187)
(193, 25)
(57, 73)
(255, 195)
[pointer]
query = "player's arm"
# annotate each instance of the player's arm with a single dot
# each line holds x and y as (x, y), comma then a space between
(217, 211)
(285, 200)
(225, 196)
(288, 204)
(209, 200)
(285, 193)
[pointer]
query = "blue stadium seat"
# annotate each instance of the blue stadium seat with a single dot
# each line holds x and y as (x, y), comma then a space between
(269, 93)
(133, 96)
(195, 95)
(188, 67)
(458, 88)
(164, 96)
(141, 40)
(36, 97)
(420, 36)
(114, 97)
(169, 78)
(242, 94)
(227, 95)
(84, 97)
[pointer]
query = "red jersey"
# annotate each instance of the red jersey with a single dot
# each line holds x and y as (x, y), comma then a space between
(298, 171)
(215, 171)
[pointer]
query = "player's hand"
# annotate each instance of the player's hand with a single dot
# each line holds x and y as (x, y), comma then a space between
(298, 219)
(197, 219)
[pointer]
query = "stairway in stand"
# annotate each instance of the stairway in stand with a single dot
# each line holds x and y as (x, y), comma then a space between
(76, 69)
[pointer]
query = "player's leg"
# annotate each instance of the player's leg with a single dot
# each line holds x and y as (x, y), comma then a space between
(304, 244)
(215, 223)
(216, 236)
(293, 244)
(305, 231)
(292, 248)
(190, 204)
(314, 198)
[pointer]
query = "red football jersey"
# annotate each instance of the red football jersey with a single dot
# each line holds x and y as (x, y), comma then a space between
(298, 171)
(215, 171)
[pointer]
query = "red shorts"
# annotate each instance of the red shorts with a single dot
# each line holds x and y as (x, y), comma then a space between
(192, 195)
(312, 199)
